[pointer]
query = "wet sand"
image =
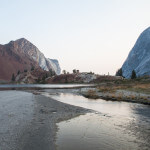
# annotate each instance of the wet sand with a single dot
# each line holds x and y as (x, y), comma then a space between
(28, 121)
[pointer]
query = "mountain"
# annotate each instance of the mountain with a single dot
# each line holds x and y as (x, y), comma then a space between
(139, 57)
(55, 64)
(22, 55)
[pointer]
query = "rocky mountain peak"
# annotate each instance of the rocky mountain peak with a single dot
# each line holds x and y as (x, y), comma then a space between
(21, 41)
(22, 54)
(34, 53)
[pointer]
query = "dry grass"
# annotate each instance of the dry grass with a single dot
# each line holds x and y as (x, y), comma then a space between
(106, 89)
(129, 90)
(110, 89)
(135, 86)
(144, 88)
(91, 94)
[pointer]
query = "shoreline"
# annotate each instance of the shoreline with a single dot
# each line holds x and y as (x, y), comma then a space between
(119, 96)
(49, 112)
(37, 130)
(40, 129)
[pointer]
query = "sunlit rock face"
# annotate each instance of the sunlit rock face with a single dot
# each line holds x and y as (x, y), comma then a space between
(34, 53)
(139, 57)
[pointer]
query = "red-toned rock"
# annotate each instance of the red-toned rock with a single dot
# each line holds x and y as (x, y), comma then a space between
(22, 55)
(37, 75)
(12, 60)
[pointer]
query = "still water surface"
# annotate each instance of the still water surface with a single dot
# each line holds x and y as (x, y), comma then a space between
(114, 125)
(43, 85)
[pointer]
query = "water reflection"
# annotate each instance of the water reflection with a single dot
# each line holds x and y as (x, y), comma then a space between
(43, 85)
(118, 125)
(93, 132)
(102, 106)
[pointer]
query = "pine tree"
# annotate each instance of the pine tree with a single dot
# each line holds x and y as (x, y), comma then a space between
(119, 72)
(18, 72)
(74, 71)
(13, 77)
(133, 75)
(52, 73)
(64, 71)
(32, 68)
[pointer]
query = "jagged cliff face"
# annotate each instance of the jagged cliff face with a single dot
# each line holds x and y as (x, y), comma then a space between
(22, 54)
(139, 57)
(32, 51)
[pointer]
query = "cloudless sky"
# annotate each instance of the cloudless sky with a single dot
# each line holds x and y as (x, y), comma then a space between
(89, 35)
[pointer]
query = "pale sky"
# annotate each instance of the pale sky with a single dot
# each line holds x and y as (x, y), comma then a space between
(89, 35)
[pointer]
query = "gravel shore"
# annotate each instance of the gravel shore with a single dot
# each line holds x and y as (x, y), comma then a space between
(118, 95)
(28, 121)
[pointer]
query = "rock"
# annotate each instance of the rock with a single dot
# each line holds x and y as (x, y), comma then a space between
(139, 57)
(22, 55)
(55, 65)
